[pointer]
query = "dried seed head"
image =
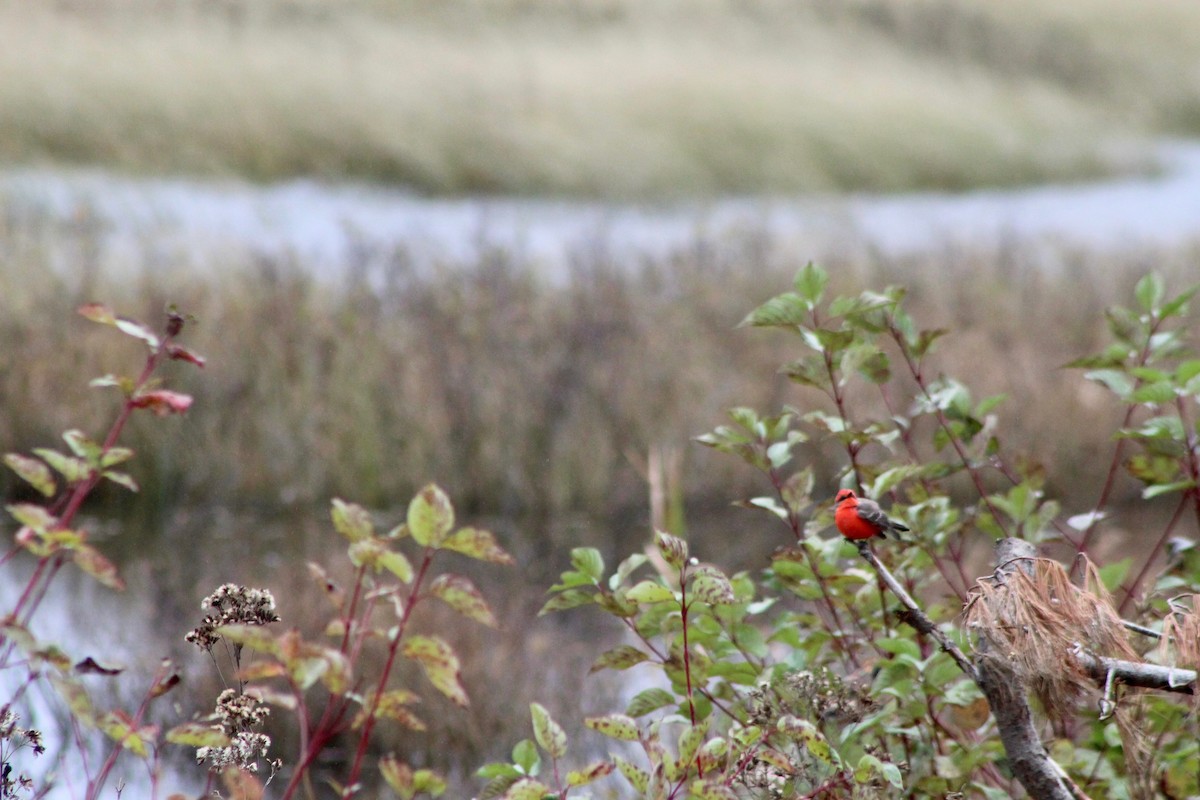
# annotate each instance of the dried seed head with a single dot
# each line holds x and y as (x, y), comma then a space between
(233, 604)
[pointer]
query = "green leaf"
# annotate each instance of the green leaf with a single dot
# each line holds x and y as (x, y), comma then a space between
(810, 283)
(1150, 492)
(1158, 393)
(430, 517)
(564, 601)
(461, 595)
(82, 446)
(589, 562)
(33, 472)
(614, 726)
(648, 700)
(525, 757)
(1178, 304)
(870, 767)
(1149, 291)
(1113, 575)
(440, 664)
(619, 658)
(351, 520)
(785, 310)
(478, 544)
(1117, 381)
(626, 568)
(549, 734)
(649, 591)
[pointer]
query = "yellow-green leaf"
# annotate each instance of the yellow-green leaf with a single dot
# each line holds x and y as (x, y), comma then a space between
(393, 705)
(648, 591)
(89, 559)
(351, 520)
(121, 479)
(430, 517)
(461, 595)
(478, 544)
(637, 777)
(255, 637)
(77, 698)
(396, 564)
(72, 469)
(549, 734)
(592, 772)
(527, 789)
(440, 664)
(32, 516)
(614, 726)
(620, 657)
(710, 790)
(197, 734)
(711, 587)
(33, 472)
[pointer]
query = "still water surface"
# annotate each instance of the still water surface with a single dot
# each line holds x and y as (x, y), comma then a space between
(325, 226)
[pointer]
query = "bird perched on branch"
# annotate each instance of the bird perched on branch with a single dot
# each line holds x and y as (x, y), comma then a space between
(860, 519)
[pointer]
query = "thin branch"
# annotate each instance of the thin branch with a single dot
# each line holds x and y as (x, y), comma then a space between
(1131, 673)
(913, 614)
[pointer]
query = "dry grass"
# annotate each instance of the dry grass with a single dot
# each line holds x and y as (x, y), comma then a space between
(611, 98)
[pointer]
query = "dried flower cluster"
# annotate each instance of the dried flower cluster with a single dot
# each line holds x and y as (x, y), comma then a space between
(232, 604)
(237, 714)
(820, 696)
(13, 737)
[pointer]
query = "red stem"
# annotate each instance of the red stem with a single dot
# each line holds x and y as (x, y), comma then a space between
(393, 649)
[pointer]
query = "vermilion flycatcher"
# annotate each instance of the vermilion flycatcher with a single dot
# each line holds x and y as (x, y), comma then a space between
(858, 518)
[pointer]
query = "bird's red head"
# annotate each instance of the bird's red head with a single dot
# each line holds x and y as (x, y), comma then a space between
(844, 494)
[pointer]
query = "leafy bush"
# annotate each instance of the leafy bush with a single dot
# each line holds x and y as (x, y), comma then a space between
(818, 676)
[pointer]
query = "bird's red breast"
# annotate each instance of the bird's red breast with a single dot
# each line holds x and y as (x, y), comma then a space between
(848, 521)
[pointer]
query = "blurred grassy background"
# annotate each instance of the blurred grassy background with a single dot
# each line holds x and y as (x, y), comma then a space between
(608, 98)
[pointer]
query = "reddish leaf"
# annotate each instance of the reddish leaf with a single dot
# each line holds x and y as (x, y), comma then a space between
(180, 353)
(97, 312)
(89, 666)
(163, 402)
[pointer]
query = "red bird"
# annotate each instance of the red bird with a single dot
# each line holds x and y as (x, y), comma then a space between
(859, 518)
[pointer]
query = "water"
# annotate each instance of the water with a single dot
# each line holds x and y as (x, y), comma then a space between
(326, 227)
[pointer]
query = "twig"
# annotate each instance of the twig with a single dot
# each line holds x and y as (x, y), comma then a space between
(913, 614)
